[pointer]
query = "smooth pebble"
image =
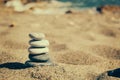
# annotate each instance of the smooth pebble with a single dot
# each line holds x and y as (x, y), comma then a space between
(38, 50)
(41, 43)
(33, 64)
(37, 36)
(39, 58)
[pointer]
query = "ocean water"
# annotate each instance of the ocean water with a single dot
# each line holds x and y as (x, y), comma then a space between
(91, 3)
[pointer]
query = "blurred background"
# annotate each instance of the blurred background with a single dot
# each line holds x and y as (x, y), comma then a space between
(84, 38)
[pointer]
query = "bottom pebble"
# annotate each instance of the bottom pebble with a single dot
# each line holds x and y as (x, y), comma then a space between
(33, 64)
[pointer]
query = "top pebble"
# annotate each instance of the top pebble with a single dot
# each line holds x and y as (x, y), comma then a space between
(37, 36)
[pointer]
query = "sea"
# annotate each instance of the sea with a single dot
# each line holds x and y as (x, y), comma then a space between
(91, 3)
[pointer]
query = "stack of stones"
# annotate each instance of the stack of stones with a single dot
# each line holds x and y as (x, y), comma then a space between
(38, 52)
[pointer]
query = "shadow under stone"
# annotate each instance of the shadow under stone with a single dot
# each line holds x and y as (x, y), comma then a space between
(114, 73)
(13, 65)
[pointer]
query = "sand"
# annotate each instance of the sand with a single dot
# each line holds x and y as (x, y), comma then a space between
(82, 45)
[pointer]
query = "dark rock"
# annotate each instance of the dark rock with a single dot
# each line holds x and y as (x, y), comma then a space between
(11, 25)
(108, 8)
(68, 12)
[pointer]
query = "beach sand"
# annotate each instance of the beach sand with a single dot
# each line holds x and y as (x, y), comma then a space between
(82, 45)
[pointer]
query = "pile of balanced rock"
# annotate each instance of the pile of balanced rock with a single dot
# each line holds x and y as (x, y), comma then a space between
(38, 52)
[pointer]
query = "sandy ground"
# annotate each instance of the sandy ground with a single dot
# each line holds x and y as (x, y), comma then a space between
(83, 45)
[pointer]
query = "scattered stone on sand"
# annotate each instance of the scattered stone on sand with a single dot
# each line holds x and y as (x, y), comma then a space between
(108, 9)
(18, 6)
(110, 75)
(114, 73)
(43, 7)
(68, 12)
(11, 25)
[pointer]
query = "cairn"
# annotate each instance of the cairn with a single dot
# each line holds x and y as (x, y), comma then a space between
(38, 51)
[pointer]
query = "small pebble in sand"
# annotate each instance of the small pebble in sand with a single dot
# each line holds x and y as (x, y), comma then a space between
(68, 12)
(11, 25)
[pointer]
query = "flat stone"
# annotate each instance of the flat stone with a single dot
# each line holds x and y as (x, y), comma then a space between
(37, 36)
(41, 43)
(38, 50)
(39, 58)
(33, 64)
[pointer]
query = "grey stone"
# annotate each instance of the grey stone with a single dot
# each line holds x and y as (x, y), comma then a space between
(33, 64)
(39, 57)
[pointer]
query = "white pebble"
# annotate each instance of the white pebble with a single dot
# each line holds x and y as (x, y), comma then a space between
(41, 43)
(38, 50)
(37, 36)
